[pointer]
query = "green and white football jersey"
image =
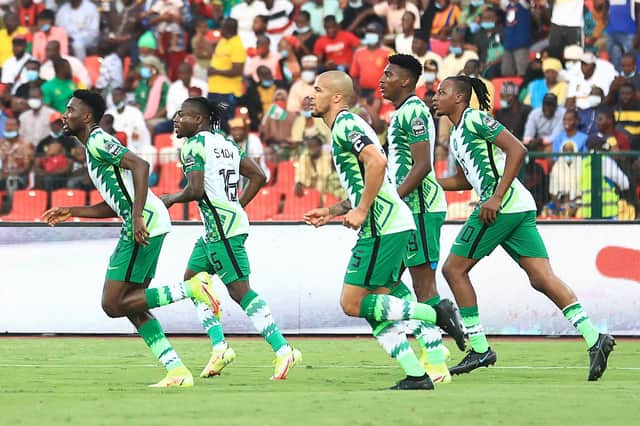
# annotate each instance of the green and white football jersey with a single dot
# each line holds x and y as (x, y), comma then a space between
(350, 134)
(483, 162)
(115, 184)
(412, 123)
(219, 158)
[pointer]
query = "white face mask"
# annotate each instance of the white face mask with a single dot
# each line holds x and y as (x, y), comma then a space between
(594, 100)
(308, 76)
(429, 76)
(34, 103)
(572, 65)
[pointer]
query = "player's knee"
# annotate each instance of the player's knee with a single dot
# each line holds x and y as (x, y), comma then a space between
(350, 307)
(449, 272)
(111, 308)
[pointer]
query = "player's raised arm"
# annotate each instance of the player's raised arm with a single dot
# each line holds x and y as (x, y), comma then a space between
(456, 182)
(257, 179)
(515, 152)
(374, 169)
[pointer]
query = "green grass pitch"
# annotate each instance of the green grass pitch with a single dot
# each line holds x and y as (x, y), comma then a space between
(103, 381)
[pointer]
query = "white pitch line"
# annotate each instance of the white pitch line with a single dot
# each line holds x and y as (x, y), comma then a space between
(370, 367)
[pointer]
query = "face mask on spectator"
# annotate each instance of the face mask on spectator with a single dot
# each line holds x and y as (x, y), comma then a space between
(456, 50)
(120, 105)
(45, 28)
(267, 83)
(34, 103)
(429, 77)
(10, 135)
(284, 54)
(308, 76)
(572, 64)
(306, 114)
(438, 6)
(145, 72)
(487, 25)
(370, 39)
(474, 27)
(630, 75)
(302, 29)
(355, 4)
(477, 3)
(594, 100)
(56, 135)
(32, 75)
(504, 104)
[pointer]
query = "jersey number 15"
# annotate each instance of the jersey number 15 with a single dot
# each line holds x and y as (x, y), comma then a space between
(231, 188)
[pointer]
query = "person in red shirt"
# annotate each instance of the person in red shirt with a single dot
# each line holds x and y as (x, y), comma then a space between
(28, 13)
(53, 169)
(369, 62)
(335, 49)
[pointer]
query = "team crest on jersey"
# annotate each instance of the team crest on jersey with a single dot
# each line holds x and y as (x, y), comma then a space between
(490, 122)
(113, 148)
(418, 127)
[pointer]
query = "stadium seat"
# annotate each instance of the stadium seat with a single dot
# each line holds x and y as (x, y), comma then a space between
(441, 167)
(286, 176)
(92, 64)
(295, 207)
(162, 140)
(194, 212)
(457, 196)
(68, 198)
(497, 85)
(265, 205)
(95, 197)
(170, 176)
(176, 211)
(28, 206)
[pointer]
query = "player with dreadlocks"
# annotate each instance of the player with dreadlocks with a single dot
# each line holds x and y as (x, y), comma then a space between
(488, 159)
(213, 164)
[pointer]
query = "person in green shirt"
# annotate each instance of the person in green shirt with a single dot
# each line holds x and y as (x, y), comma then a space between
(57, 91)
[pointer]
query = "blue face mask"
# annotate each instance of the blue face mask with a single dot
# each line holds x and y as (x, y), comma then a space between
(474, 27)
(10, 135)
(56, 135)
(306, 114)
(32, 75)
(267, 83)
(145, 73)
(439, 6)
(120, 105)
(504, 104)
(487, 25)
(456, 50)
(45, 28)
(477, 3)
(370, 39)
(284, 54)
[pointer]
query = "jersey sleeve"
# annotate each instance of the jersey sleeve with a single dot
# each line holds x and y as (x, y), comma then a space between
(350, 135)
(192, 155)
(106, 149)
(483, 125)
(242, 152)
(415, 122)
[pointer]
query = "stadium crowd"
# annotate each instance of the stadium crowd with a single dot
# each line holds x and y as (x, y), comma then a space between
(563, 78)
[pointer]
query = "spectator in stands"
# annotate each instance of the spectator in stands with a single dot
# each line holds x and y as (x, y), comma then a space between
(369, 62)
(303, 87)
(488, 41)
(392, 11)
(564, 182)
(304, 34)
(79, 73)
(279, 17)
(179, 92)
(259, 28)
(318, 9)
(314, 167)
(458, 56)
(110, 75)
(445, 20)
(543, 124)
(512, 113)
(335, 48)
(306, 126)
(549, 84)
(622, 29)
(275, 128)
(627, 113)
(587, 117)
(57, 91)
(420, 50)
(12, 68)
(570, 133)
(48, 32)
(353, 10)
(151, 92)
(594, 72)
(472, 69)
(259, 96)
(566, 25)
(106, 124)
(130, 120)
(11, 31)
(52, 170)
(244, 13)
(28, 12)
(429, 81)
(615, 138)
(628, 74)
(79, 176)
(34, 123)
(124, 28)
(202, 44)
(404, 40)
(264, 56)
(225, 71)
(517, 38)
(288, 69)
(165, 17)
(31, 74)
(55, 134)
(249, 143)
(17, 157)
(81, 20)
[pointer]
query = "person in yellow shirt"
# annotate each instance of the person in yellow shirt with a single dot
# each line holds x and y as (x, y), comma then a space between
(549, 84)
(11, 29)
(225, 70)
